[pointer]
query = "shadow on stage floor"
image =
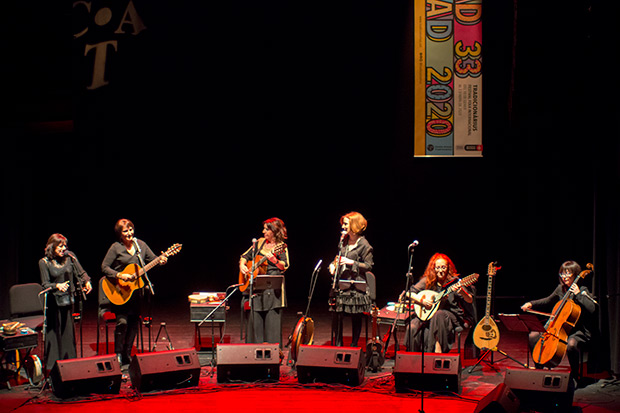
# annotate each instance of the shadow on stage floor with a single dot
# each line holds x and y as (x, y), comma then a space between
(376, 392)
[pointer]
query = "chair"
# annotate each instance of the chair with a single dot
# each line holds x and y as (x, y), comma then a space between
(26, 306)
(371, 288)
(105, 314)
(458, 332)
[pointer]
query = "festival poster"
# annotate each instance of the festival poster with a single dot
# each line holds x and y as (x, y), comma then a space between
(448, 78)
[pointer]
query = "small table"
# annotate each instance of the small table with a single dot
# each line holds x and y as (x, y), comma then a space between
(24, 340)
(202, 311)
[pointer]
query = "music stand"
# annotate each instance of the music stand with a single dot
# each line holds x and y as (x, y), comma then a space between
(524, 323)
(344, 285)
(266, 282)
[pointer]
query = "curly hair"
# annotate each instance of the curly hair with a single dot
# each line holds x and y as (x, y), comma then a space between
(276, 225)
(431, 274)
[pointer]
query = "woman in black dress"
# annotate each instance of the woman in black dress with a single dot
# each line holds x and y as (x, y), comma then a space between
(62, 273)
(436, 335)
(580, 334)
(127, 250)
(356, 260)
(265, 324)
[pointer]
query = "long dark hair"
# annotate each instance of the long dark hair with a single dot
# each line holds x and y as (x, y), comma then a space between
(52, 242)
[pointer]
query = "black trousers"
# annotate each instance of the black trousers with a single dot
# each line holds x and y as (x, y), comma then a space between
(127, 327)
(59, 334)
(265, 326)
(574, 343)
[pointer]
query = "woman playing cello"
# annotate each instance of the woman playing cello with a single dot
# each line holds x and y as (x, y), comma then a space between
(579, 333)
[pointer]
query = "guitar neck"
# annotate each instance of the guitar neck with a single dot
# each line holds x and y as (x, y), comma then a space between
(150, 265)
(465, 282)
(487, 312)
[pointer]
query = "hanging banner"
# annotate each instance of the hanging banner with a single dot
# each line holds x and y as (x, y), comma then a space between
(448, 78)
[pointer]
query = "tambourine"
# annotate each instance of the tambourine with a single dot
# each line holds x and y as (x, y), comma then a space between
(34, 368)
(304, 334)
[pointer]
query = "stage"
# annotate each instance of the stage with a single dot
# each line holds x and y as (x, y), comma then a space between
(376, 392)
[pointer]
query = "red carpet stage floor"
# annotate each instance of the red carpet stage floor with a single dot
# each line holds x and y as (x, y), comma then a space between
(376, 392)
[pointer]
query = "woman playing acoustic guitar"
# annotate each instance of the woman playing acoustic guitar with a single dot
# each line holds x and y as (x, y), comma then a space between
(126, 251)
(579, 333)
(268, 256)
(454, 310)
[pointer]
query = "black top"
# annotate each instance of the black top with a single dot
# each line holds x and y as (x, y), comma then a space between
(117, 258)
(54, 272)
(272, 269)
(270, 298)
(453, 303)
(361, 254)
(583, 299)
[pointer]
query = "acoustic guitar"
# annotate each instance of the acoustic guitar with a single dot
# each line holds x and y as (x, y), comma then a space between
(435, 297)
(486, 333)
(119, 291)
(256, 267)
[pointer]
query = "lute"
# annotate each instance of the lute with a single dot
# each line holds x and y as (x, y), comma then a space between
(486, 333)
(435, 297)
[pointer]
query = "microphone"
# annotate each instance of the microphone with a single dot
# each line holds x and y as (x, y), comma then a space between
(135, 242)
(414, 244)
(48, 289)
(590, 297)
(318, 265)
(70, 255)
(235, 285)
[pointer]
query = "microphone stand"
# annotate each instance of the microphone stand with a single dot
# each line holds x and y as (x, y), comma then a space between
(334, 292)
(409, 284)
(250, 298)
(44, 334)
(224, 301)
(81, 298)
(422, 323)
(150, 288)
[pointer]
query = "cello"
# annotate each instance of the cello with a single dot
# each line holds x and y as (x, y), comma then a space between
(551, 346)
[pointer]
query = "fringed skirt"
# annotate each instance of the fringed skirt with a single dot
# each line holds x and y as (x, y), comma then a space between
(352, 302)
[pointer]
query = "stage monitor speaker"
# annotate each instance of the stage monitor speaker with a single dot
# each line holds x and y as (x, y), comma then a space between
(541, 390)
(327, 364)
(442, 372)
(74, 377)
(164, 370)
(499, 400)
(247, 362)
